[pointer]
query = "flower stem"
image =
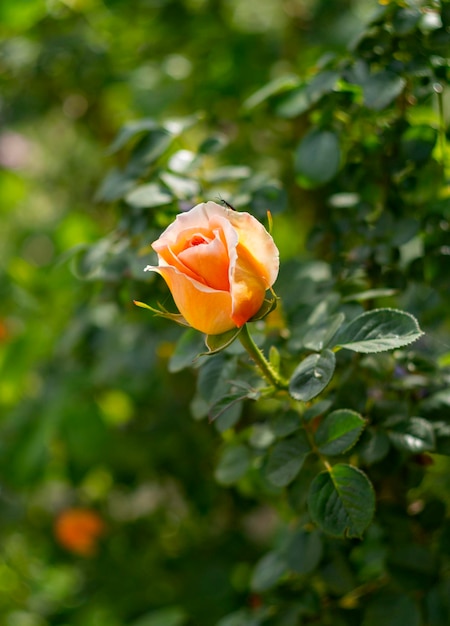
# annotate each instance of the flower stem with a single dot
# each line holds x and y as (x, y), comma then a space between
(269, 373)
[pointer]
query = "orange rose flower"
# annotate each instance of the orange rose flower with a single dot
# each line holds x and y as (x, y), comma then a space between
(78, 530)
(218, 264)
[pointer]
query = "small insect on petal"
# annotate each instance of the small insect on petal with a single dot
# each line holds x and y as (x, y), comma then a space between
(227, 204)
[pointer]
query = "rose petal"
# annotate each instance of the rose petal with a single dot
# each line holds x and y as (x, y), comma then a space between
(257, 245)
(247, 293)
(197, 219)
(166, 257)
(208, 310)
(210, 262)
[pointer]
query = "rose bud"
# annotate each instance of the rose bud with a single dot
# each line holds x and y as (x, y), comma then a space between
(218, 264)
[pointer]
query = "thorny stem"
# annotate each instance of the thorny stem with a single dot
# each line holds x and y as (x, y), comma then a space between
(269, 373)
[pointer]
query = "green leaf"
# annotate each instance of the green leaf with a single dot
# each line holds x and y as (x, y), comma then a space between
(437, 603)
(304, 551)
(405, 20)
(240, 618)
(276, 86)
(319, 408)
(317, 157)
(268, 571)
(342, 501)
(213, 144)
(181, 186)
(391, 609)
(115, 185)
(148, 196)
(339, 431)
(304, 97)
(217, 343)
(186, 350)
(312, 376)
(286, 460)
(418, 142)
(284, 423)
(369, 294)
(148, 150)
(182, 162)
(415, 436)
(373, 446)
(381, 89)
(170, 616)
(233, 464)
(379, 330)
(214, 377)
(230, 399)
(321, 333)
(129, 130)
(228, 173)
(270, 197)
(228, 417)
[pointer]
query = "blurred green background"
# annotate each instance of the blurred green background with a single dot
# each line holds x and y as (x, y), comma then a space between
(88, 415)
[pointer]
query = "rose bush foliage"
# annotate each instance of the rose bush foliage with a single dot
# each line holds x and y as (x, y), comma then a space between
(316, 490)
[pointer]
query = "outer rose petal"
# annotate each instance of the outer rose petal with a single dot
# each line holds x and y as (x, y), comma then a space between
(205, 309)
(198, 218)
(258, 245)
(248, 282)
(247, 294)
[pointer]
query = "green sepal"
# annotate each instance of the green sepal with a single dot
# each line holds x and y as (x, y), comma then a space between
(268, 305)
(175, 317)
(217, 343)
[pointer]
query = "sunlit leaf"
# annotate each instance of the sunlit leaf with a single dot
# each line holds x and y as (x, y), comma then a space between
(379, 330)
(414, 436)
(148, 196)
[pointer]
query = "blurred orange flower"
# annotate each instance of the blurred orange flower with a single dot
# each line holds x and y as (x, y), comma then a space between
(78, 530)
(4, 333)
